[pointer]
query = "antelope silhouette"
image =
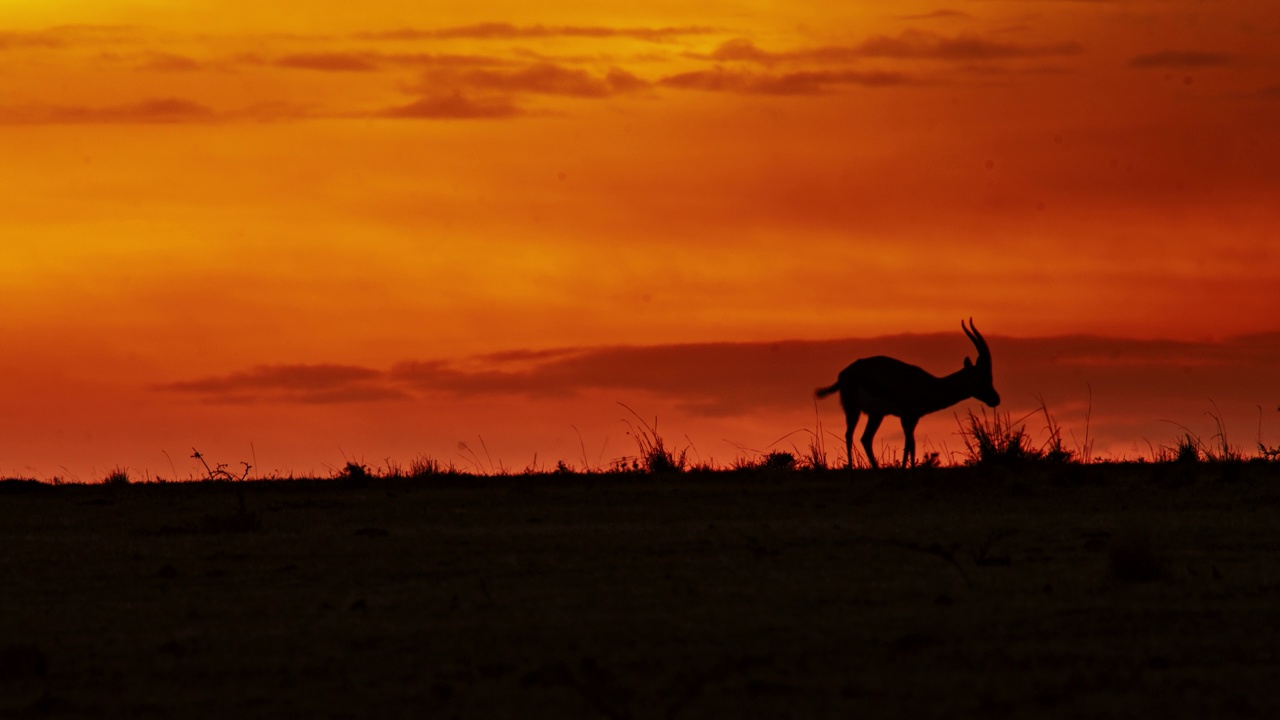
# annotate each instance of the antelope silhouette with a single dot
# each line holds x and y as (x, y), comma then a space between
(881, 386)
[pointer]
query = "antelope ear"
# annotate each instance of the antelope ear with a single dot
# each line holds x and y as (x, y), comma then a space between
(967, 363)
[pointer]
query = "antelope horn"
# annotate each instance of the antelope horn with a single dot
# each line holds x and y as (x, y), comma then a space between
(983, 350)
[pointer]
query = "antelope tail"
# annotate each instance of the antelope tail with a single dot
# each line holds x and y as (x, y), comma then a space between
(825, 391)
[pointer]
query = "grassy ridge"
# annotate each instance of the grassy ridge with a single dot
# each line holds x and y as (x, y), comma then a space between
(973, 591)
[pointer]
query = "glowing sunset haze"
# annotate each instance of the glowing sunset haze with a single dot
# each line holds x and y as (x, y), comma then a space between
(297, 234)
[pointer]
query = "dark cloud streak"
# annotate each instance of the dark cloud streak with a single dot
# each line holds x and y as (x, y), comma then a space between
(908, 45)
(329, 62)
(795, 83)
(1181, 59)
(938, 15)
(508, 31)
(453, 107)
(542, 79)
(917, 44)
(371, 61)
(1132, 384)
(316, 384)
(153, 111)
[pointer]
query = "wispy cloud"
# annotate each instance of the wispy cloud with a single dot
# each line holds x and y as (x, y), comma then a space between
(11, 40)
(508, 31)
(795, 83)
(292, 383)
(329, 62)
(541, 79)
(453, 107)
(908, 45)
(919, 44)
(938, 15)
(66, 35)
(156, 110)
(169, 62)
(1181, 59)
(369, 61)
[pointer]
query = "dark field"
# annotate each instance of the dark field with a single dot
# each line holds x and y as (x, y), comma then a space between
(1101, 591)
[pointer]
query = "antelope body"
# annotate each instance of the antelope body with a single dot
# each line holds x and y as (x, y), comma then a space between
(880, 386)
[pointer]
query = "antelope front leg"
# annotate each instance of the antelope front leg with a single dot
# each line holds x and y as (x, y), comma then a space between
(909, 447)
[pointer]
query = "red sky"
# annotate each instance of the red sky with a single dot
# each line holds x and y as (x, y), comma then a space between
(368, 231)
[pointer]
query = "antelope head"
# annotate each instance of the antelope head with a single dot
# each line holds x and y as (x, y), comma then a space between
(979, 373)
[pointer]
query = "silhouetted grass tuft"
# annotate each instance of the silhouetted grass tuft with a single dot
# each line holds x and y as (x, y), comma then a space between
(118, 477)
(423, 466)
(1054, 450)
(655, 456)
(996, 439)
(1185, 451)
(1224, 451)
(993, 440)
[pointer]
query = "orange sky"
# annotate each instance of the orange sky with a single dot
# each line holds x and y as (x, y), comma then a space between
(200, 190)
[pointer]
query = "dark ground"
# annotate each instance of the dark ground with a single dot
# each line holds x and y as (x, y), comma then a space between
(1101, 591)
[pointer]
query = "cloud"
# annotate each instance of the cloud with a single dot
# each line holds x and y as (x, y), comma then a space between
(1181, 59)
(744, 50)
(156, 110)
(543, 79)
(507, 31)
(167, 62)
(450, 93)
(328, 62)
(919, 44)
(66, 35)
(507, 356)
(795, 83)
(11, 40)
(909, 45)
(937, 15)
(1131, 387)
(453, 107)
(344, 62)
(292, 383)
(712, 379)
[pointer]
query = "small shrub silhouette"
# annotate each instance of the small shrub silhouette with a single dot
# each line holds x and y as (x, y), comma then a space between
(930, 460)
(778, 460)
(219, 472)
(355, 473)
